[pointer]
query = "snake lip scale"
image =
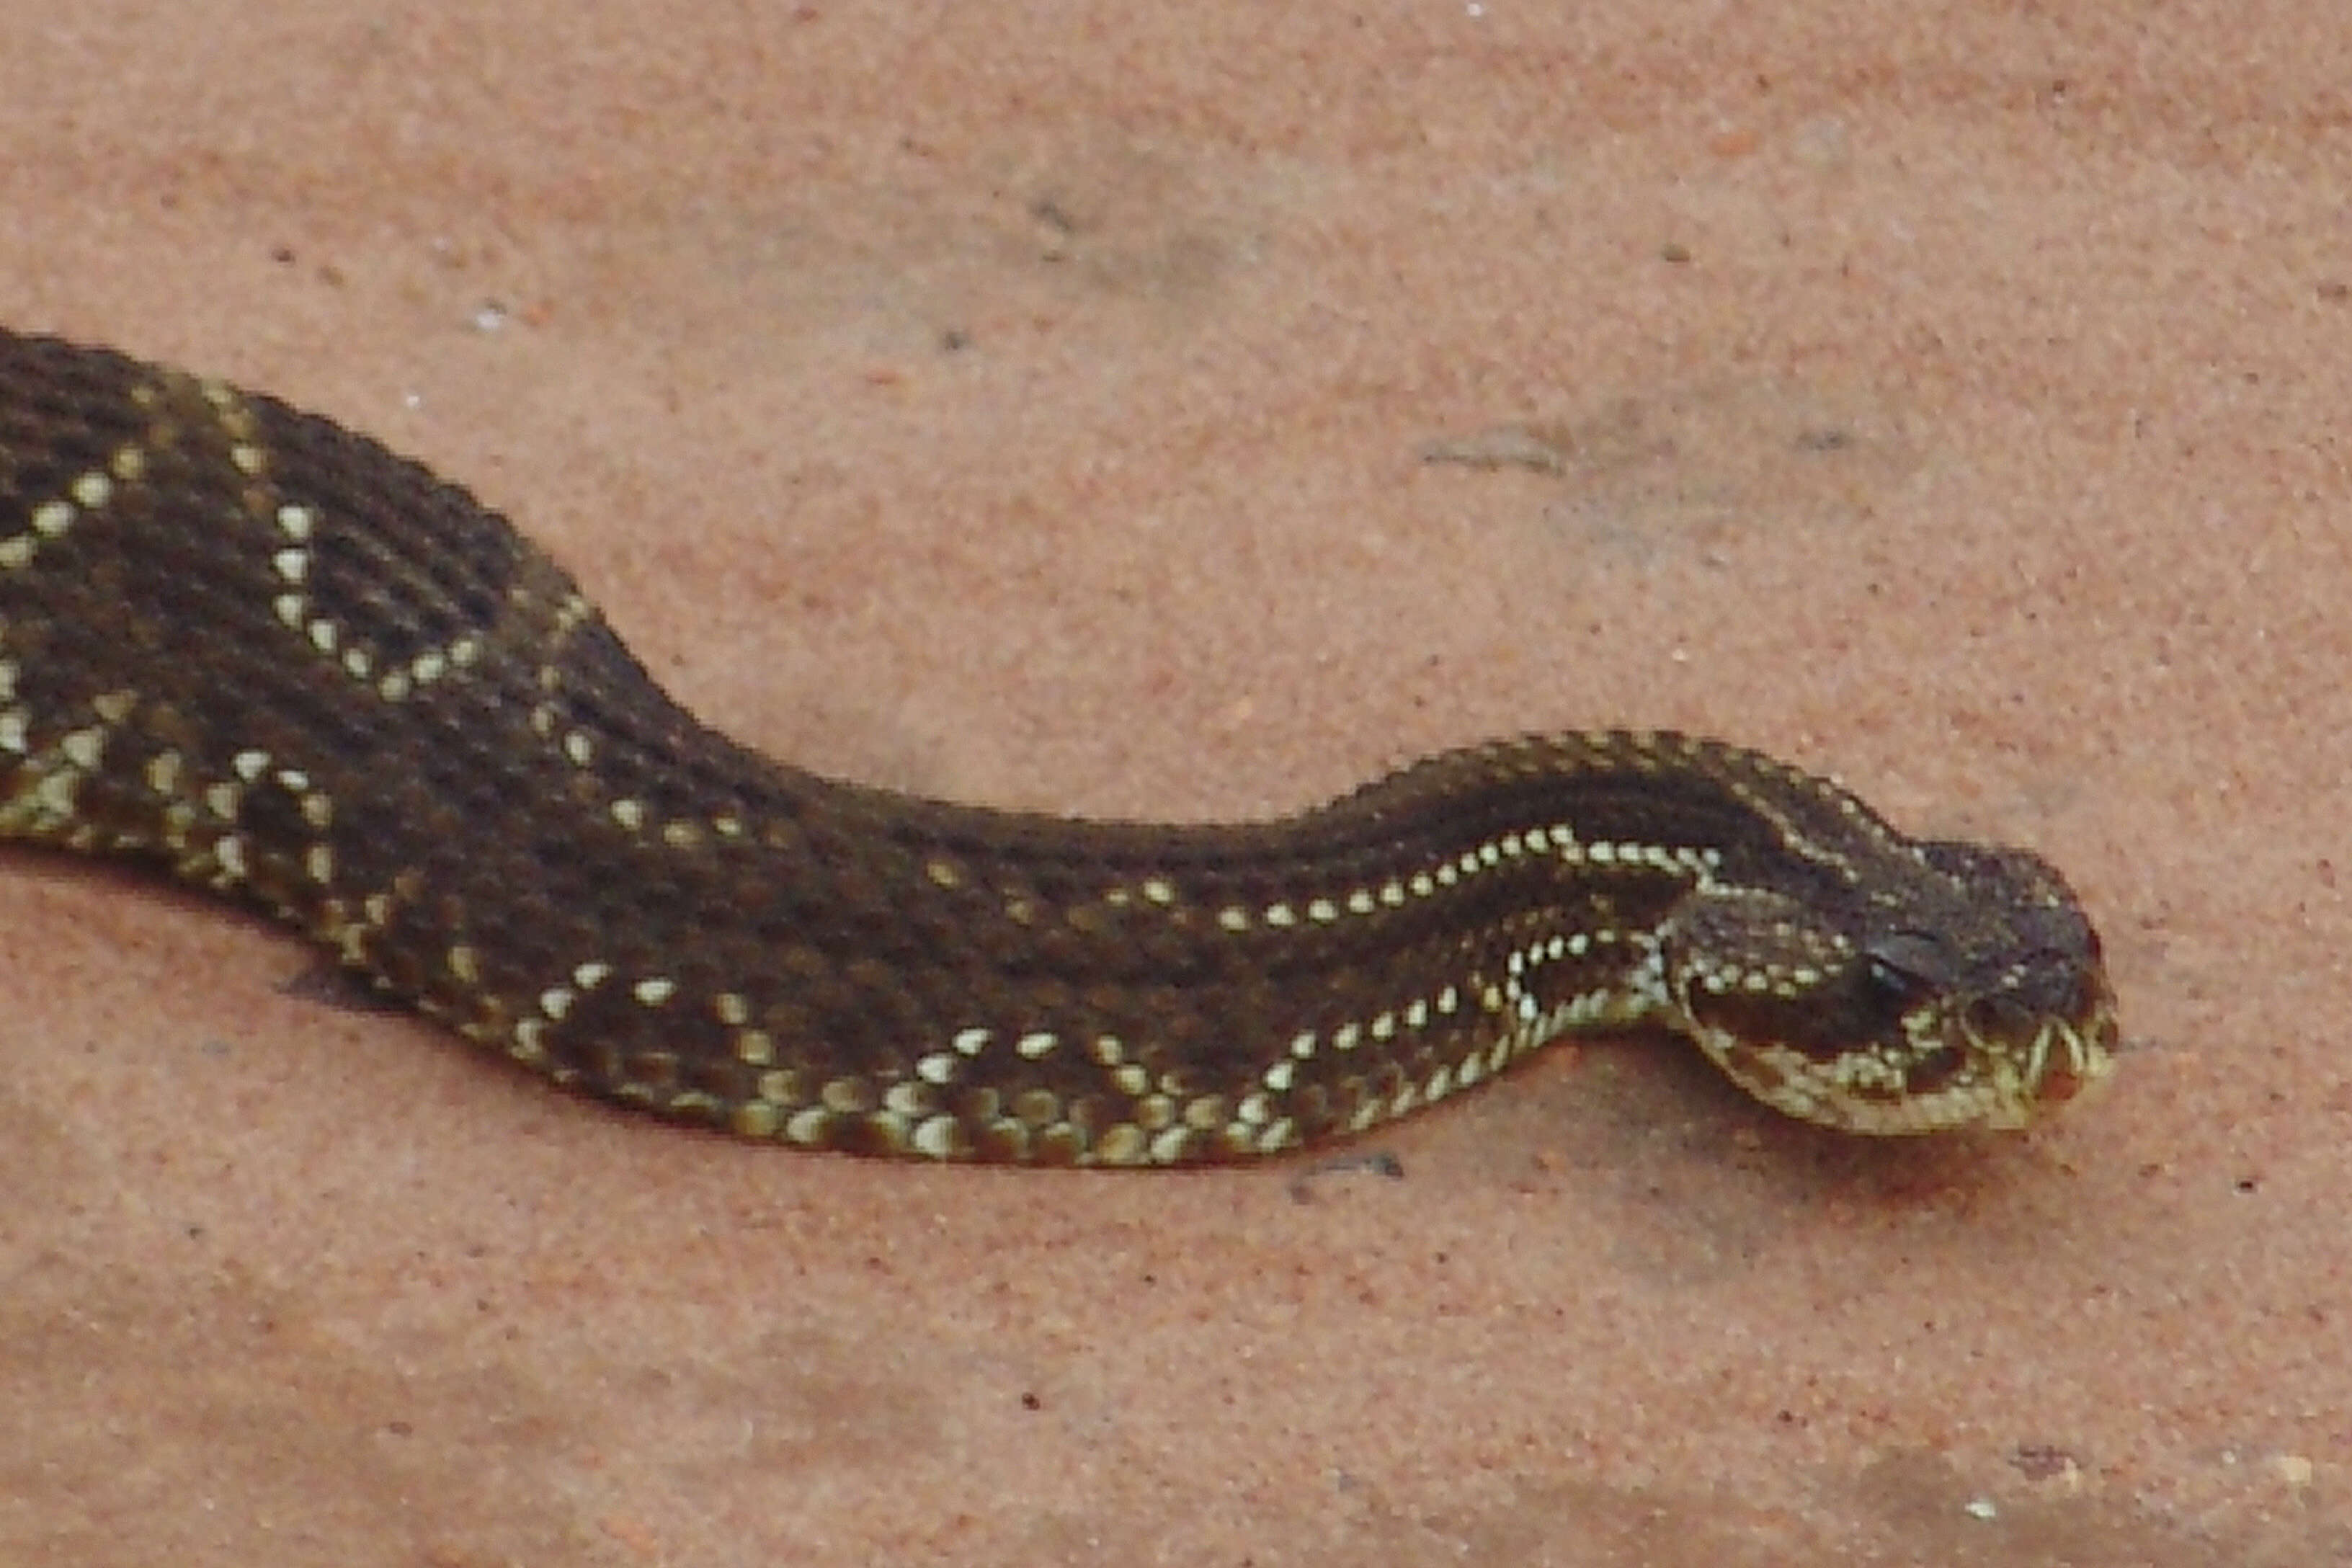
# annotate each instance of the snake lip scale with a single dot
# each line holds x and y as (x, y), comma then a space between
(254, 649)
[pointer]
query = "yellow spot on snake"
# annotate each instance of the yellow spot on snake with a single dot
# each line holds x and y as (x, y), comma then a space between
(56, 792)
(83, 748)
(846, 1096)
(754, 1119)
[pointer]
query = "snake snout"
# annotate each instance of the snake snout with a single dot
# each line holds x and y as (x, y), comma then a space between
(2055, 1024)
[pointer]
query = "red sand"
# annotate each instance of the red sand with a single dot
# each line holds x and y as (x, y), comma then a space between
(1025, 402)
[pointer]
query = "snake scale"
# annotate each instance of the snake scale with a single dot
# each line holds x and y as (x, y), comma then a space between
(251, 646)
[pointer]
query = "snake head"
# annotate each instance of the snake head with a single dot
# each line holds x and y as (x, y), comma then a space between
(1968, 990)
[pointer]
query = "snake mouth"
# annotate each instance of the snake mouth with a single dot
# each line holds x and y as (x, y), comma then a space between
(2067, 1059)
(2024, 1063)
(1994, 1069)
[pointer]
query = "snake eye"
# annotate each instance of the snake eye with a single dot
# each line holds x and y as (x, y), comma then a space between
(1895, 987)
(1901, 970)
(1908, 965)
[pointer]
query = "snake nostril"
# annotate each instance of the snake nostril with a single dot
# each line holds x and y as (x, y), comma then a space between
(1996, 1018)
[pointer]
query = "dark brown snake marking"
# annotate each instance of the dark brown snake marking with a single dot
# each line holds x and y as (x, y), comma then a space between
(247, 644)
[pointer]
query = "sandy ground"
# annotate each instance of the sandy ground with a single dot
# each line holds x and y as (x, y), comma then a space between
(1028, 403)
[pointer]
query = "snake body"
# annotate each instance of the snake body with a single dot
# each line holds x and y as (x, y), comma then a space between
(259, 650)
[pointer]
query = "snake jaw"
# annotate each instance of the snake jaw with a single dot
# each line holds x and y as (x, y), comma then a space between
(1917, 1087)
(2067, 1059)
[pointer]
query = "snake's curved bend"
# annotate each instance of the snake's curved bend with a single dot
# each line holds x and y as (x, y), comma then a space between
(256, 648)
